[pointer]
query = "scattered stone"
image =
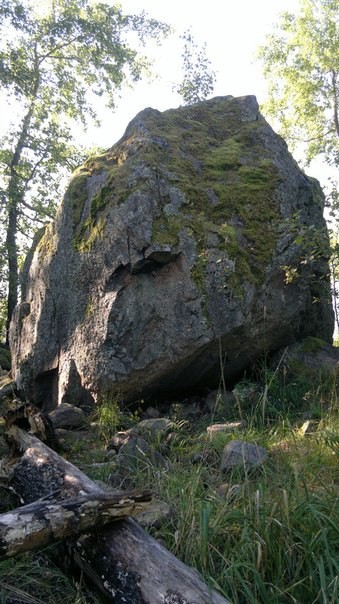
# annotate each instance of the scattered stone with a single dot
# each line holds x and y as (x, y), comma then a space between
(110, 454)
(204, 457)
(223, 489)
(238, 453)
(189, 410)
(121, 438)
(152, 412)
(308, 427)
(307, 359)
(227, 427)
(136, 453)
(61, 432)
(67, 416)
(154, 427)
(154, 515)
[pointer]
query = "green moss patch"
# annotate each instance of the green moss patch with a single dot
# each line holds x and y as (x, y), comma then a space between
(312, 344)
(218, 163)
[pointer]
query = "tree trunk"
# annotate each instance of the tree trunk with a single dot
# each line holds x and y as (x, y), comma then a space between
(15, 193)
(38, 524)
(12, 260)
(125, 563)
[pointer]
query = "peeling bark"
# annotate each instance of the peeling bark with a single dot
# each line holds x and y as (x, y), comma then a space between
(38, 524)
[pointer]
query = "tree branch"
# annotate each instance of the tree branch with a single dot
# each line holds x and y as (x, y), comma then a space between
(56, 48)
(335, 98)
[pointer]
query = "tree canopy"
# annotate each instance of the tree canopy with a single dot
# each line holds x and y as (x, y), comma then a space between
(52, 62)
(198, 76)
(301, 64)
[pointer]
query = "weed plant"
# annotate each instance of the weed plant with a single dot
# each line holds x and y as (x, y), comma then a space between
(33, 579)
(269, 536)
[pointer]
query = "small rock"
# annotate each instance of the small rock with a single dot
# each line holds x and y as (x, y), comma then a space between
(136, 451)
(228, 427)
(238, 453)
(154, 515)
(189, 411)
(67, 416)
(110, 454)
(121, 438)
(207, 456)
(154, 426)
(308, 427)
(223, 489)
(152, 413)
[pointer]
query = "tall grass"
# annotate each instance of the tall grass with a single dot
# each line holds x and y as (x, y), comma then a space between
(266, 537)
(273, 536)
(34, 579)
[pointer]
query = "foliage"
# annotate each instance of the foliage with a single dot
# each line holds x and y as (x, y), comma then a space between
(109, 417)
(199, 78)
(52, 65)
(301, 64)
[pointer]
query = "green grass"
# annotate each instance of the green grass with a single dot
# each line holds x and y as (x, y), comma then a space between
(270, 536)
(34, 579)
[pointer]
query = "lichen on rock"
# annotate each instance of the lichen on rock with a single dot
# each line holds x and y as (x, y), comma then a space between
(169, 250)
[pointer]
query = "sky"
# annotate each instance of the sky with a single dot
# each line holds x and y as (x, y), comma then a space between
(232, 32)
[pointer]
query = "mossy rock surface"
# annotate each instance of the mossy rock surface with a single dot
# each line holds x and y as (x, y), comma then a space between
(311, 360)
(186, 248)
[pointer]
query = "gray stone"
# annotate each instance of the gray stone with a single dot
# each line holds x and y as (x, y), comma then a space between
(310, 426)
(154, 427)
(226, 428)
(67, 416)
(152, 412)
(165, 261)
(119, 439)
(240, 454)
(136, 454)
(154, 515)
(307, 359)
(204, 457)
(110, 454)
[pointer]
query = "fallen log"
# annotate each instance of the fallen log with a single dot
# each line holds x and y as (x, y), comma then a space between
(125, 563)
(38, 524)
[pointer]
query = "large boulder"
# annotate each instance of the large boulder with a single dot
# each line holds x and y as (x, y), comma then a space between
(195, 242)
